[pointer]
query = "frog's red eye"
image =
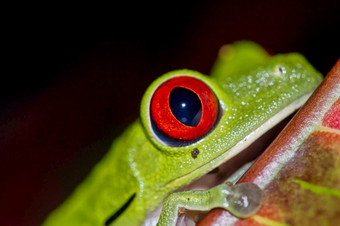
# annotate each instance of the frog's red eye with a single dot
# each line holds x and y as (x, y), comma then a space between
(184, 108)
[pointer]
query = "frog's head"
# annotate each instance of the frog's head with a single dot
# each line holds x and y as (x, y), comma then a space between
(225, 114)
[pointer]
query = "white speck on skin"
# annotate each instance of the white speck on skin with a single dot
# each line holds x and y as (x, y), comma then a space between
(245, 201)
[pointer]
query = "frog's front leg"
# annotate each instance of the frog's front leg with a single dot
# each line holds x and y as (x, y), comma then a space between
(242, 200)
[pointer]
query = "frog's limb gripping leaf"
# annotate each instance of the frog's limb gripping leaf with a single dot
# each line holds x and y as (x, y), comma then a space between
(242, 200)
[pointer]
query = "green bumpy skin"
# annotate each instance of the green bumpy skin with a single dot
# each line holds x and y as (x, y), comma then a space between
(140, 170)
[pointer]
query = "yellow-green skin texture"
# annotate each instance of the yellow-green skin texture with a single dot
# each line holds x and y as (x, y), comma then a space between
(250, 86)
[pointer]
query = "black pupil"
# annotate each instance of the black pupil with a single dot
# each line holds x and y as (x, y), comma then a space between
(186, 106)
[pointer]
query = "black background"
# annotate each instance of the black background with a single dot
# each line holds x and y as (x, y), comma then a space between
(73, 77)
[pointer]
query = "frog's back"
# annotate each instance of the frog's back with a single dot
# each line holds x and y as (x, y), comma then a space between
(101, 197)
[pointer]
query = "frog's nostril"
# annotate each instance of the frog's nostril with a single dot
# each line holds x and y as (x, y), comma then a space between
(279, 70)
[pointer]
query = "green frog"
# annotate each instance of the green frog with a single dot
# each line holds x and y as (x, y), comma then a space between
(190, 124)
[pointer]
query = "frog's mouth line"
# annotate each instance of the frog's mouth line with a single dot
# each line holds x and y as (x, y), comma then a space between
(222, 172)
(248, 149)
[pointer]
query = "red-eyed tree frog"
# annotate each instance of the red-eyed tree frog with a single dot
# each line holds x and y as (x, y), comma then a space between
(190, 124)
